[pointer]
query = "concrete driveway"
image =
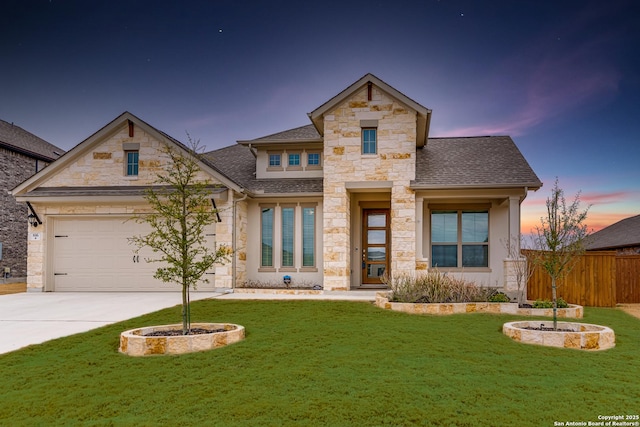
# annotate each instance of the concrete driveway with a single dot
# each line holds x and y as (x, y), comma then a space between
(33, 318)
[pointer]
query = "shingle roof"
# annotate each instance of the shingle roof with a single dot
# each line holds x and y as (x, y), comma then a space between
(238, 164)
(486, 161)
(625, 233)
(17, 139)
(300, 133)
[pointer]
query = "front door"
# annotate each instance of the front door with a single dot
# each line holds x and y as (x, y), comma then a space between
(375, 245)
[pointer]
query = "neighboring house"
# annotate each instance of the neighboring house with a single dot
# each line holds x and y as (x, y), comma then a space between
(623, 237)
(21, 155)
(361, 192)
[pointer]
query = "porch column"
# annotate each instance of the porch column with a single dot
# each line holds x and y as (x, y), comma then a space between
(514, 225)
(513, 264)
(336, 235)
(421, 261)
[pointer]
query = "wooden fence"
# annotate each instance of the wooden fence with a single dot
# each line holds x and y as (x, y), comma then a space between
(599, 279)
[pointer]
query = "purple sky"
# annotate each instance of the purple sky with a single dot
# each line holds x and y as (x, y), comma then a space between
(561, 77)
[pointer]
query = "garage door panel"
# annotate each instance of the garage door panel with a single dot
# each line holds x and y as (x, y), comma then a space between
(94, 254)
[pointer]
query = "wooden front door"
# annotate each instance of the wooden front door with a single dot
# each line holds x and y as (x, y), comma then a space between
(375, 245)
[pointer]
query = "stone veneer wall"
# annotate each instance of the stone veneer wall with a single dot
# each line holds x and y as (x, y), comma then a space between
(14, 169)
(344, 162)
(103, 166)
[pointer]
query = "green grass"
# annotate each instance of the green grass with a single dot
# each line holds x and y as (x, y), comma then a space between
(322, 363)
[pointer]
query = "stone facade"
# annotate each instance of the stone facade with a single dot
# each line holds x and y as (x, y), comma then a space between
(14, 168)
(101, 165)
(344, 162)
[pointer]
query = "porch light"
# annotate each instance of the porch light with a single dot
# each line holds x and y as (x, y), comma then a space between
(33, 220)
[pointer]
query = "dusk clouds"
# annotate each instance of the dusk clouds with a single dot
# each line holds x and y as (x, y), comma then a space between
(561, 78)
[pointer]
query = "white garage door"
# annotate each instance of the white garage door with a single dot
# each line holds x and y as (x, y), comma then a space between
(94, 254)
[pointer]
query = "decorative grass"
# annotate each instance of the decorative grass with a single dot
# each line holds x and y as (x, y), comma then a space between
(324, 363)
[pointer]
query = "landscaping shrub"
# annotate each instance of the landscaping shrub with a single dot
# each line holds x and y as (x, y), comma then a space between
(549, 304)
(499, 297)
(435, 287)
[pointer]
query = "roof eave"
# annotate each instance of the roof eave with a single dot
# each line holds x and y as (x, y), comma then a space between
(528, 186)
(262, 195)
(260, 142)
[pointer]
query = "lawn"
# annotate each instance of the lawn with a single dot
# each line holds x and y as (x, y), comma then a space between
(324, 363)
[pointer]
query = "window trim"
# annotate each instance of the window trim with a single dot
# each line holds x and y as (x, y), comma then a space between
(314, 266)
(291, 267)
(314, 167)
(274, 168)
(459, 244)
(363, 143)
(291, 167)
(127, 164)
(271, 267)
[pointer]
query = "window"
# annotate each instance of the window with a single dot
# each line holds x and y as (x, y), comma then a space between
(285, 244)
(266, 237)
(288, 227)
(132, 158)
(294, 159)
(369, 139)
(313, 159)
(308, 236)
(274, 160)
(460, 238)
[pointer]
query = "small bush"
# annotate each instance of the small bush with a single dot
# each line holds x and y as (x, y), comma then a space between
(435, 287)
(549, 304)
(499, 297)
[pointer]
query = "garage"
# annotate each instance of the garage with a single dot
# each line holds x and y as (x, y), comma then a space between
(94, 254)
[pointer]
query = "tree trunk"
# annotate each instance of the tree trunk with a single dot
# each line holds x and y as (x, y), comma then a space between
(555, 303)
(185, 310)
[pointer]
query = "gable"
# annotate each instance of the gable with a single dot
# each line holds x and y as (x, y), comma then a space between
(369, 84)
(99, 162)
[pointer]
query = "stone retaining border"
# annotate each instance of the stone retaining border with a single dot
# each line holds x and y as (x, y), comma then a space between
(584, 336)
(382, 301)
(277, 291)
(134, 343)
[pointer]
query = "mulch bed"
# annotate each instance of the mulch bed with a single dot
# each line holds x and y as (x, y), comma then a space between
(542, 328)
(178, 332)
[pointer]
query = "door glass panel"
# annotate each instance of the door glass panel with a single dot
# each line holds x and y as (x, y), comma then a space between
(376, 254)
(376, 237)
(376, 220)
(375, 270)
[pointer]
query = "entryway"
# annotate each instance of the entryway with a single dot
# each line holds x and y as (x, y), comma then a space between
(375, 246)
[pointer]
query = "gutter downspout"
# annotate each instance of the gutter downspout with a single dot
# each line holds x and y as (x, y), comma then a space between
(234, 236)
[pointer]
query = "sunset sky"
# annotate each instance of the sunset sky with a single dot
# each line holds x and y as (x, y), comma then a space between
(562, 78)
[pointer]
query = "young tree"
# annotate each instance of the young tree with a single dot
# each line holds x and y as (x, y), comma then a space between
(181, 210)
(560, 239)
(519, 266)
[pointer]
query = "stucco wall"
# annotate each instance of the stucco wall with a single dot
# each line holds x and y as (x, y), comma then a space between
(299, 275)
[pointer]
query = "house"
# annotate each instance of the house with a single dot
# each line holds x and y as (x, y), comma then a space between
(21, 155)
(360, 192)
(623, 237)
